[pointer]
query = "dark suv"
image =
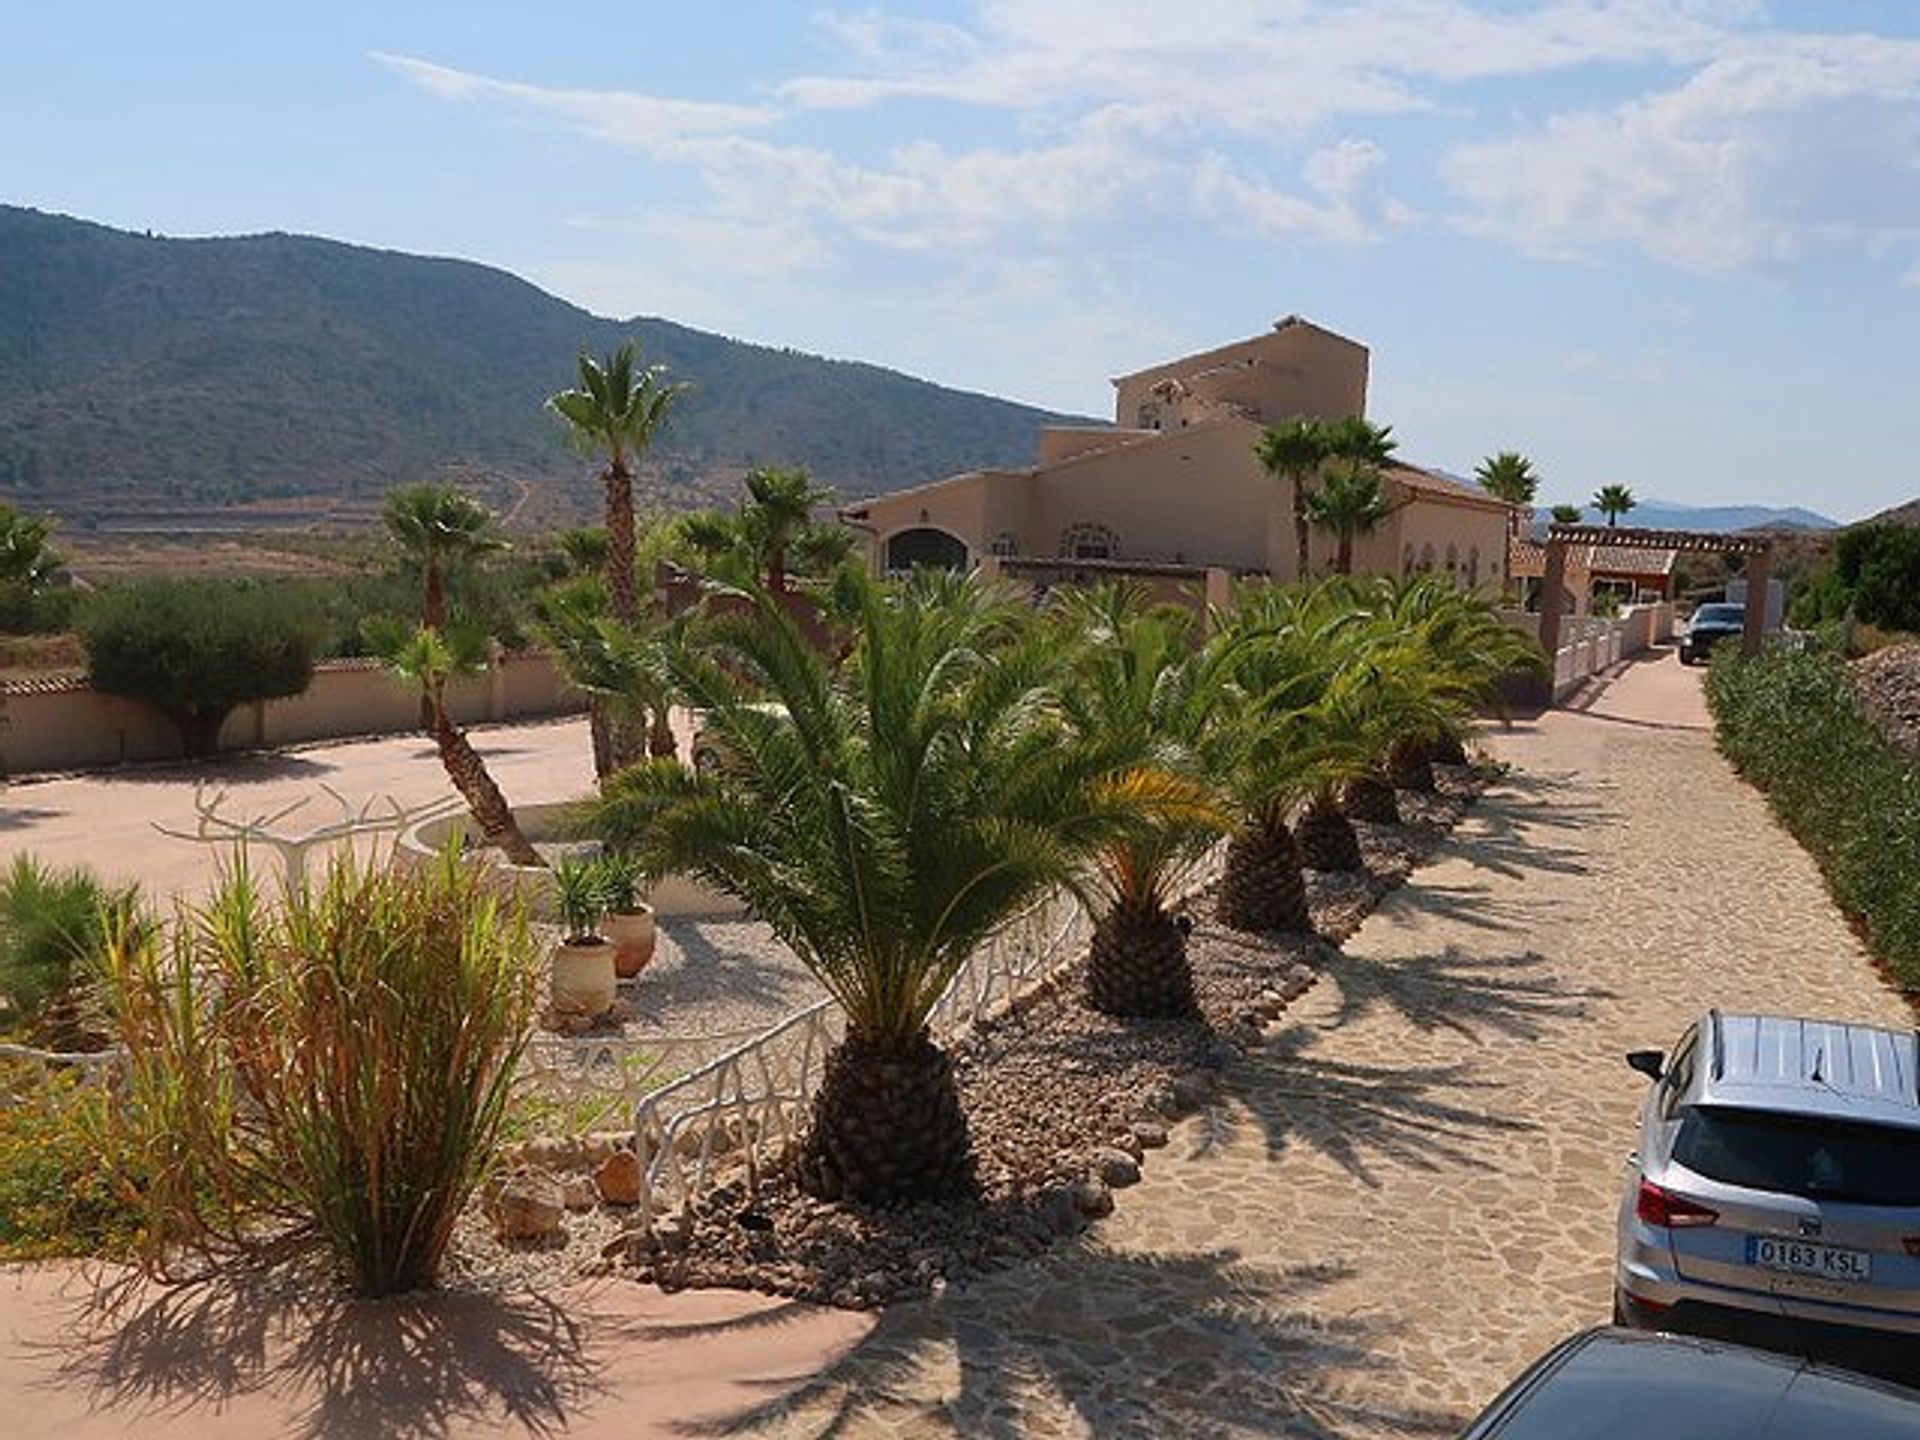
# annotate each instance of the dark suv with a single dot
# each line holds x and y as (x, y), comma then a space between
(1710, 625)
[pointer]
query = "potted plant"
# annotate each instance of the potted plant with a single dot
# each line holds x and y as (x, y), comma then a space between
(629, 922)
(583, 978)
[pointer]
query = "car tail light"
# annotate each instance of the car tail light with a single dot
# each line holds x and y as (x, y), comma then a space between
(1669, 1211)
(1912, 1244)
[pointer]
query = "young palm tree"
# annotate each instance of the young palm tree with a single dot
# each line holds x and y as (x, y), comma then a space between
(778, 511)
(439, 528)
(1564, 514)
(1351, 503)
(430, 658)
(883, 819)
(1143, 683)
(614, 414)
(1294, 451)
(619, 665)
(1613, 501)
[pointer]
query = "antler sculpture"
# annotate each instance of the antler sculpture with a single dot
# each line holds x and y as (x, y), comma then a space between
(378, 815)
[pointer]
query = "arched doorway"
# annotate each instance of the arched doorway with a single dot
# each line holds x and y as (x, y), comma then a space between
(924, 545)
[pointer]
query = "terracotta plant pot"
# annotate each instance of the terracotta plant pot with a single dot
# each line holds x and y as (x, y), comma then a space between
(634, 935)
(583, 979)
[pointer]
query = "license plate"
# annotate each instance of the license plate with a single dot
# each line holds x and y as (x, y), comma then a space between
(1797, 1257)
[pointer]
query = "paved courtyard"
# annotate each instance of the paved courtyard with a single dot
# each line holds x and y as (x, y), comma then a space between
(1407, 1194)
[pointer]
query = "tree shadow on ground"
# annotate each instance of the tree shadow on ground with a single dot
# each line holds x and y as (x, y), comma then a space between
(1196, 1344)
(21, 817)
(1360, 1115)
(404, 1368)
(1514, 997)
(699, 964)
(252, 768)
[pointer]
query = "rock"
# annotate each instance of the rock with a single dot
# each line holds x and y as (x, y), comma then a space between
(578, 1193)
(1149, 1134)
(1115, 1168)
(1060, 1211)
(1129, 1142)
(1298, 983)
(526, 1205)
(618, 1178)
(599, 1144)
(1092, 1198)
(1191, 1090)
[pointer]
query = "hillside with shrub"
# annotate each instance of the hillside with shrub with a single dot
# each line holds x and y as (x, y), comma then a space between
(151, 370)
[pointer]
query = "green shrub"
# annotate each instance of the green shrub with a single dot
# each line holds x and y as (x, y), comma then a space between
(1789, 722)
(52, 923)
(60, 1192)
(197, 649)
(339, 1062)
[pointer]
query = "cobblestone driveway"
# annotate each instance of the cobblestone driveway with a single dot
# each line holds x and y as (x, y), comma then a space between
(1410, 1191)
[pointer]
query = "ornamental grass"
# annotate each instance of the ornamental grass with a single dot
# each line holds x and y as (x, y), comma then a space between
(328, 1071)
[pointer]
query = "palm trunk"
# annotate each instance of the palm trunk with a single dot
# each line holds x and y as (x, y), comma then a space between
(433, 616)
(887, 1124)
(1263, 888)
(1408, 765)
(777, 569)
(1137, 964)
(622, 598)
(1302, 527)
(469, 775)
(1344, 561)
(1326, 838)
(1370, 797)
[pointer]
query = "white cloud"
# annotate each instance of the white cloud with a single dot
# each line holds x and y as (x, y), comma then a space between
(620, 117)
(1788, 147)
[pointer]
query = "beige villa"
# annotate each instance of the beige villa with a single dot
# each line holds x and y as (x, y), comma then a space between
(1173, 489)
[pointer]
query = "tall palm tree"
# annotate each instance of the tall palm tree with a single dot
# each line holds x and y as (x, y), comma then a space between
(614, 414)
(1351, 503)
(1142, 682)
(884, 819)
(1565, 514)
(1613, 501)
(439, 528)
(1508, 476)
(431, 658)
(1294, 451)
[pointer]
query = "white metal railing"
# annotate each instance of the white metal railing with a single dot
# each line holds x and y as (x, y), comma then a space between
(744, 1108)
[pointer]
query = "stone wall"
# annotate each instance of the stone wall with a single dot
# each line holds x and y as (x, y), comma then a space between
(67, 725)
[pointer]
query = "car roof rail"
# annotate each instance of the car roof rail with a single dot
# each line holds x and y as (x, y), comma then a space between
(1719, 1046)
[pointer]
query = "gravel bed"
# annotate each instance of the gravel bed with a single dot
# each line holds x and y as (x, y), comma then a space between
(1063, 1105)
(1888, 683)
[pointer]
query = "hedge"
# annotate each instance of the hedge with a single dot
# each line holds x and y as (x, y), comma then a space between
(1791, 724)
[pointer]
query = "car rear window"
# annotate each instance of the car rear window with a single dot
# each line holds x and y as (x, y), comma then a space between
(1798, 1155)
(1720, 614)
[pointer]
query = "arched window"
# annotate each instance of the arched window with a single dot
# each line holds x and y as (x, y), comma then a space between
(1006, 544)
(1473, 567)
(923, 545)
(1406, 561)
(1088, 541)
(1426, 558)
(1453, 559)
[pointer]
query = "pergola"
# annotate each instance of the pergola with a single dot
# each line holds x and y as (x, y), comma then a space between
(1758, 549)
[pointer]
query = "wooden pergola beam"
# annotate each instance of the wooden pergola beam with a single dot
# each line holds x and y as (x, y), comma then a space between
(1693, 541)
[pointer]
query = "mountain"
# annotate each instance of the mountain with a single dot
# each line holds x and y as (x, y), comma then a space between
(1715, 519)
(140, 372)
(1907, 514)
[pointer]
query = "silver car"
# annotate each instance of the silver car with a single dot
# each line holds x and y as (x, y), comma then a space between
(1777, 1180)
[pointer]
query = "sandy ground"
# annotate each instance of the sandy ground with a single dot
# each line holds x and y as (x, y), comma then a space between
(1405, 1196)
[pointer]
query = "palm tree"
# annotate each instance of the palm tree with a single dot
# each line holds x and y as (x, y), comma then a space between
(619, 665)
(1508, 476)
(440, 528)
(1564, 514)
(777, 512)
(1143, 684)
(430, 658)
(884, 819)
(1613, 501)
(1351, 503)
(614, 414)
(1294, 451)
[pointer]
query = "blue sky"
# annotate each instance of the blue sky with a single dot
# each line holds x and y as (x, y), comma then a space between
(1674, 243)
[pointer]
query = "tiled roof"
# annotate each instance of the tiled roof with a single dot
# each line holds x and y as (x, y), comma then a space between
(1430, 485)
(1528, 557)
